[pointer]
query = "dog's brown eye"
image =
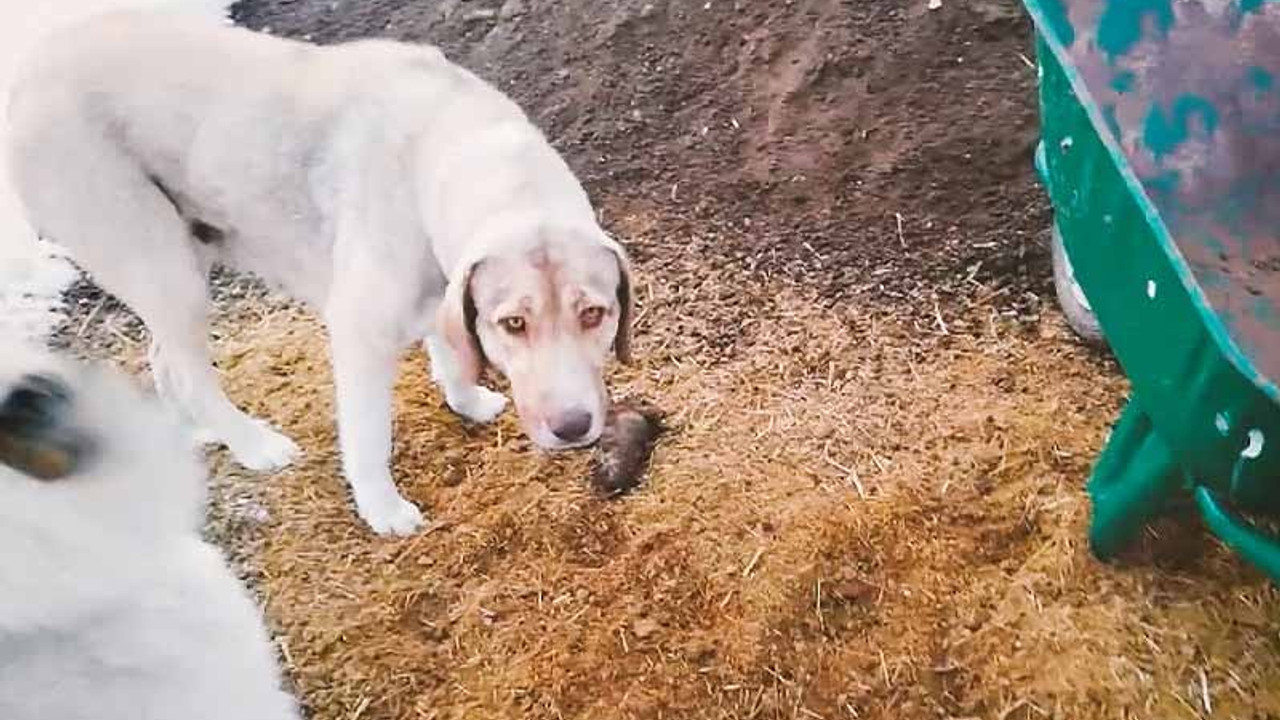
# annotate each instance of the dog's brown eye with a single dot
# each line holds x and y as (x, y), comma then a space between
(513, 325)
(591, 317)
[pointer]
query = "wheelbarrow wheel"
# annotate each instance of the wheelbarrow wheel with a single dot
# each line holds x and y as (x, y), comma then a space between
(1071, 298)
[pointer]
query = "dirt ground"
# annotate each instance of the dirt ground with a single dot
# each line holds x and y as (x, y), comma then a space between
(801, 131)
(870, 503)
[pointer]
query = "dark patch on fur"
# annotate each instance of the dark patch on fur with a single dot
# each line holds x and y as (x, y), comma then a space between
(470, 313)
(204, 232)
(199, 229)
(165, 191)
(35, 439)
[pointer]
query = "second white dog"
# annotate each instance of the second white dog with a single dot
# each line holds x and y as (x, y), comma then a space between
(111, 606)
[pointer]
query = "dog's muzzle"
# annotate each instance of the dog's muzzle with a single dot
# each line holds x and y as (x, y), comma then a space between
(35, 438)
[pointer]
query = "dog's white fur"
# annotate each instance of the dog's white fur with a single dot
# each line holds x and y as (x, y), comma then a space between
(111, 606)
(365, 179)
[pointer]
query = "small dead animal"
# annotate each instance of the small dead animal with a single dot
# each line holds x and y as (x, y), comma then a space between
(621, 457)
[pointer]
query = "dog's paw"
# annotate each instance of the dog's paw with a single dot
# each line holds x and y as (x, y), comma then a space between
(479, 404)
(265, 449)
(391, 515)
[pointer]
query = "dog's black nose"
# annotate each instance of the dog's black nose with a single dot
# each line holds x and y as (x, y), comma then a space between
(572, 425)
(34, 403)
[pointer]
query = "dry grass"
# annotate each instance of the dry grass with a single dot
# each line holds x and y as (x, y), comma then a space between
(850, 519)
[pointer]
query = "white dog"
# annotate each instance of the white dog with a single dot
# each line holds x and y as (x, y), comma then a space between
(400, 195)
(111, 606)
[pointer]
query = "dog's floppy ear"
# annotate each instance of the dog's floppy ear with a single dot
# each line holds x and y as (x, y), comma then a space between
(626, 301)
(456, 323)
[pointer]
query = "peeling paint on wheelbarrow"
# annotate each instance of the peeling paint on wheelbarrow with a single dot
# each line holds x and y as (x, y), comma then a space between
(1161, 154)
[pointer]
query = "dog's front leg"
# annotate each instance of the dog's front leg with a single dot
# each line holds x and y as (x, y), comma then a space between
(364, 370)
(474, 402)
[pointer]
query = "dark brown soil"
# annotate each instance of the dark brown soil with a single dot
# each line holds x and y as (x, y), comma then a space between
(870, 149)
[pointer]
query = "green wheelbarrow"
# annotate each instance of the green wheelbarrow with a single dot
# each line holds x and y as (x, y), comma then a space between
(1160, 152)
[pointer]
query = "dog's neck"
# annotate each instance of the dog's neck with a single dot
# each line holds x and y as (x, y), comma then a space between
(506, 183)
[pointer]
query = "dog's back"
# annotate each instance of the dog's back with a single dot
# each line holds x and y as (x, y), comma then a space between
(182, 642)
(111, 606)
(181, 99)
(243, 133)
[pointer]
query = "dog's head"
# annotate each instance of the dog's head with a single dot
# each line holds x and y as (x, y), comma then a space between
(546, 311)
(83, 451)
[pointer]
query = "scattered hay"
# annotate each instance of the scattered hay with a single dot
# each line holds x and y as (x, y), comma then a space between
(856, 520)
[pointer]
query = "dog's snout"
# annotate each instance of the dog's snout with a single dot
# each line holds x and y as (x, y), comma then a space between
(34, 403)
(572, 425)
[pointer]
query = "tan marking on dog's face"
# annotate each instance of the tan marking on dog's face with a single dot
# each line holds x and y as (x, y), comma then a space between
(547, 318)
